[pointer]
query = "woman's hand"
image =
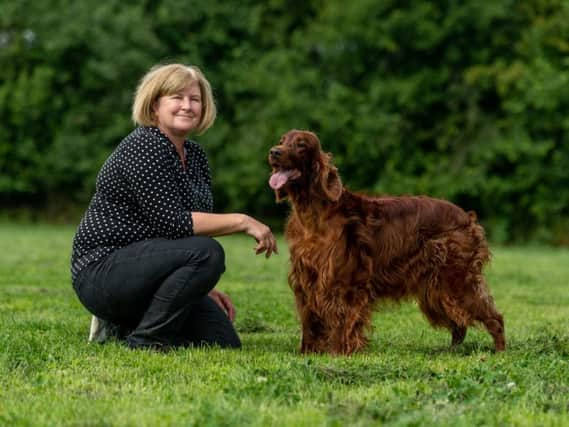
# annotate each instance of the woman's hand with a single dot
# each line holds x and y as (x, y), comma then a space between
(208, 224)
(224, 302)
(266, 242)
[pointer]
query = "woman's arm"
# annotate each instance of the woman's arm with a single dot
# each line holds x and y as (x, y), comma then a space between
(209, 224)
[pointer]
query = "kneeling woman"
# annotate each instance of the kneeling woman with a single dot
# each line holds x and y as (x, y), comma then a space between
(144, 261)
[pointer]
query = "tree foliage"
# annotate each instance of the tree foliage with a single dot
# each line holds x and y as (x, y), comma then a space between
(462, 100)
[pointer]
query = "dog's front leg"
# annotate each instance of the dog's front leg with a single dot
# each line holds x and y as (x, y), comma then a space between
(349, 323)
(314, 335)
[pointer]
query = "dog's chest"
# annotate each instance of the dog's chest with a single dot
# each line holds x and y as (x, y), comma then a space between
(308, 250)
(311, 255)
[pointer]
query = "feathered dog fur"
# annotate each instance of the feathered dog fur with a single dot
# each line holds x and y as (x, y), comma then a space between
(350, 250)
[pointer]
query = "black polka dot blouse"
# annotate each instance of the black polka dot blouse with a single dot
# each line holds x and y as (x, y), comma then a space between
(142, 192)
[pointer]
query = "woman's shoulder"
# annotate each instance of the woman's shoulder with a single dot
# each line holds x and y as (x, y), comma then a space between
(145, 135)
(143, 138)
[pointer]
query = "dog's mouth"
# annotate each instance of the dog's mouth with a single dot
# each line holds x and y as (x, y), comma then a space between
(280, 177)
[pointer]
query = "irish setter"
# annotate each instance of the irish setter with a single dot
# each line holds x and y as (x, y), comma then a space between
(349, 251)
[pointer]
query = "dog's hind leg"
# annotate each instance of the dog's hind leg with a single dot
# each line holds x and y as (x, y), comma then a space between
(444, 310)
(482, 308)
(495, 326)
(438, 305)
(447, 316)
(494, 323)
(458, 334)
(458, 318)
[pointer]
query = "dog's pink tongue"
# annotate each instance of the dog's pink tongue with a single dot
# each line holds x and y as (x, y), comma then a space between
(278, 179)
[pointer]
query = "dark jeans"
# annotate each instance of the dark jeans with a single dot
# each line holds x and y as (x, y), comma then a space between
(158, 290)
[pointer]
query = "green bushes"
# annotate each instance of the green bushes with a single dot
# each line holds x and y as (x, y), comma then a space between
(462, 100)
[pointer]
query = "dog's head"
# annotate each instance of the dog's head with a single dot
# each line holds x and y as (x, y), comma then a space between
(301, 167)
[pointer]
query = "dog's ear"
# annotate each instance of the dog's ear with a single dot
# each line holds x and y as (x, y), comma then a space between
(327, 181)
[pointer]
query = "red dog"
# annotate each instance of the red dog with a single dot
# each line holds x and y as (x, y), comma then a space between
(349, 250)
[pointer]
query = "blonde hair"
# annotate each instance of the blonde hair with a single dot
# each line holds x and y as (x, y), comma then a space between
(168, 79)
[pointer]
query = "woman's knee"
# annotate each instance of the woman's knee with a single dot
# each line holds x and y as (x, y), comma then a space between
(210, 257)
(216, 255)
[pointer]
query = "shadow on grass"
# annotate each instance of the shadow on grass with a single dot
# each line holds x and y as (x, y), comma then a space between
(283, 343)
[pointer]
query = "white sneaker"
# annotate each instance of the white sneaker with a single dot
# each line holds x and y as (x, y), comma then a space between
(101, 330)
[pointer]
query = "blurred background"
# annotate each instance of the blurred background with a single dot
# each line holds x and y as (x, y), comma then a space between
(465, 100)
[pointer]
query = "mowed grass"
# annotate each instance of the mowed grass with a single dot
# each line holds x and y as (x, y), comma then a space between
(50, 375)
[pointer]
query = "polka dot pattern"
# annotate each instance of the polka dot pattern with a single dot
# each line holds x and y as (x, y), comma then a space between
(142, 192)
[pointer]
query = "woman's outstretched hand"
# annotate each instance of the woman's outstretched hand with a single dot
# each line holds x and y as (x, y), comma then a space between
(224, 302)
(266, 241)
(208, 224)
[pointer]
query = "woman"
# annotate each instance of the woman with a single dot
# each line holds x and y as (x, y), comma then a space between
(143, 257)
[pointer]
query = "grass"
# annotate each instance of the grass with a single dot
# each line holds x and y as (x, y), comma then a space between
(50, 375)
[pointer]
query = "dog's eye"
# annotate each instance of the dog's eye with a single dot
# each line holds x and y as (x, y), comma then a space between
(301, 144)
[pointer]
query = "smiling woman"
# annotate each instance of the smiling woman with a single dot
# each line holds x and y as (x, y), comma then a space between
(178, 114)
(144, 261)
(173, 83)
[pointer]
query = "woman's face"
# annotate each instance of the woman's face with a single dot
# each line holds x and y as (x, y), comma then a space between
(179, 113)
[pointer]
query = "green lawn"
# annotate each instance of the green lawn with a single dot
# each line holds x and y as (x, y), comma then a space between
(50, 375)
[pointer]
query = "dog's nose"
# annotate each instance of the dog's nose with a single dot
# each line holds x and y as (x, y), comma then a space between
(275, 152)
